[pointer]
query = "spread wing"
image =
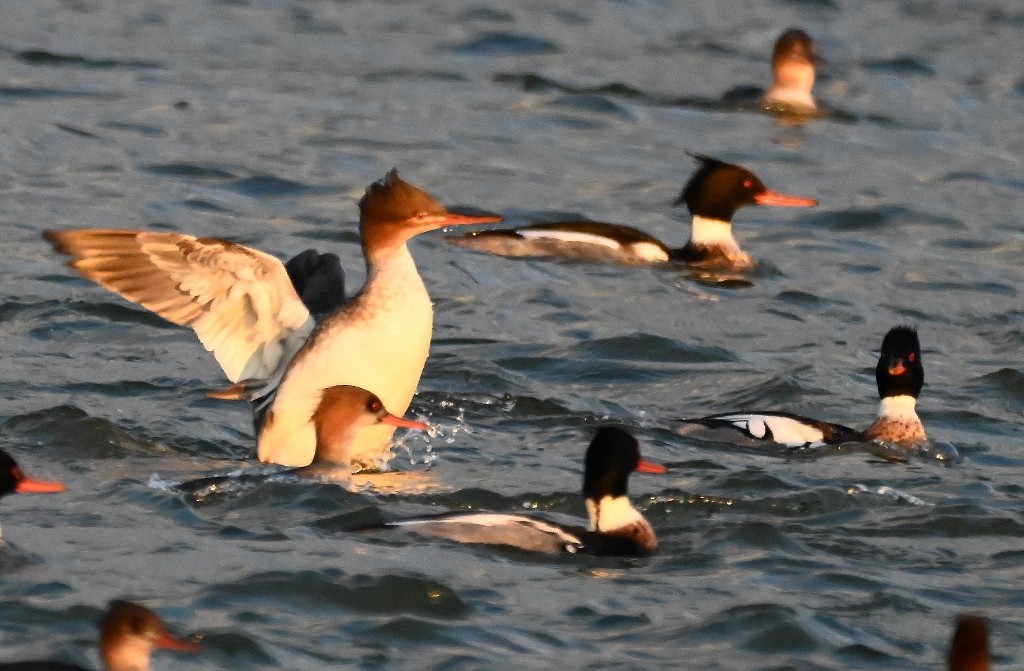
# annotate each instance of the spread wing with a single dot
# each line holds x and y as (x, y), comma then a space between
(239, 301)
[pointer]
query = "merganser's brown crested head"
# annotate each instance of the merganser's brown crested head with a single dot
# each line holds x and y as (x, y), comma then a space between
(128, 635)
(718, 189)
(968, 651)
(899, 371)
(793, 69)
(14, 481)
(392, 211)
(343, 411)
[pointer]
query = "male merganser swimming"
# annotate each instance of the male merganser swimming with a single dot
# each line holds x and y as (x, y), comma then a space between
(968, 651)
(242, 305)
(713, 195)
(128, 635)
(616, 527)
(899, 375)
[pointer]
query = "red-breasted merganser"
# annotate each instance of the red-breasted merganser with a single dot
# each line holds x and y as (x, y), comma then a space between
(616, 527)
(793, 70)
(128, 635)
(344, 411)
(245, 309)
(969, 650)
(14, 481)
(713, 195)
(899, 376)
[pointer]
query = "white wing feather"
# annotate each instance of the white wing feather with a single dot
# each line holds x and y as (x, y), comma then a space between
(239, 301)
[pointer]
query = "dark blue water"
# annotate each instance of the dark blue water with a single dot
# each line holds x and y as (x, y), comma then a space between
(263, 122)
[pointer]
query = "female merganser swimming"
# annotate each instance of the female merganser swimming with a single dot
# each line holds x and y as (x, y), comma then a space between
(713, 195)
(968, 651)
(793, 63)
(128, 635)
(343, 412)
(899, 375)
(616, 527)
(14, 481)
(244, 308)
(793, 71)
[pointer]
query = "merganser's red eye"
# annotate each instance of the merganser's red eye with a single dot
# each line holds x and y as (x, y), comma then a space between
(421, 215)
(747, 184)
(912, 357)
(374, 405)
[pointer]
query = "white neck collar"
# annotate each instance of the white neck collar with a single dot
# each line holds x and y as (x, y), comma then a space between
(714, 233)
(791, 97)
(898, 407)
(611, 513)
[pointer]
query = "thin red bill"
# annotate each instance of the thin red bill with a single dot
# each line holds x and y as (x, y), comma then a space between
(403, 423)
(168, 642)
(33, 486)
(453, 219)
(774, 198)
(644, 466)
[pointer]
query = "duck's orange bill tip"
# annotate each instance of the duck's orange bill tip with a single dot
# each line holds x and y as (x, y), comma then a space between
(167, 642)
(33, 486)
(897, 368)
(776, 199)
(454, 219)
(650, 467)
(404, 423)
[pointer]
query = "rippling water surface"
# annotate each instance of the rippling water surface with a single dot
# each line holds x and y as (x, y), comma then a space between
(263, 121)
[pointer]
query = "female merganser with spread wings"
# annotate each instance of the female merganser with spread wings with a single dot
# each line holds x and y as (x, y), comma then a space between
(713, 195)
(616, 527)
(245, 309)
(128, 635)
(899, 376)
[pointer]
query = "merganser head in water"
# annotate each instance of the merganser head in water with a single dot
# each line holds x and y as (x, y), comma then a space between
(342, 413)
(612, 457)
(793, 71)
(713, 195)
(900, 377)
(14, 481)
(248, 309)
(616, 527)
(969, 649)
(128, 635)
